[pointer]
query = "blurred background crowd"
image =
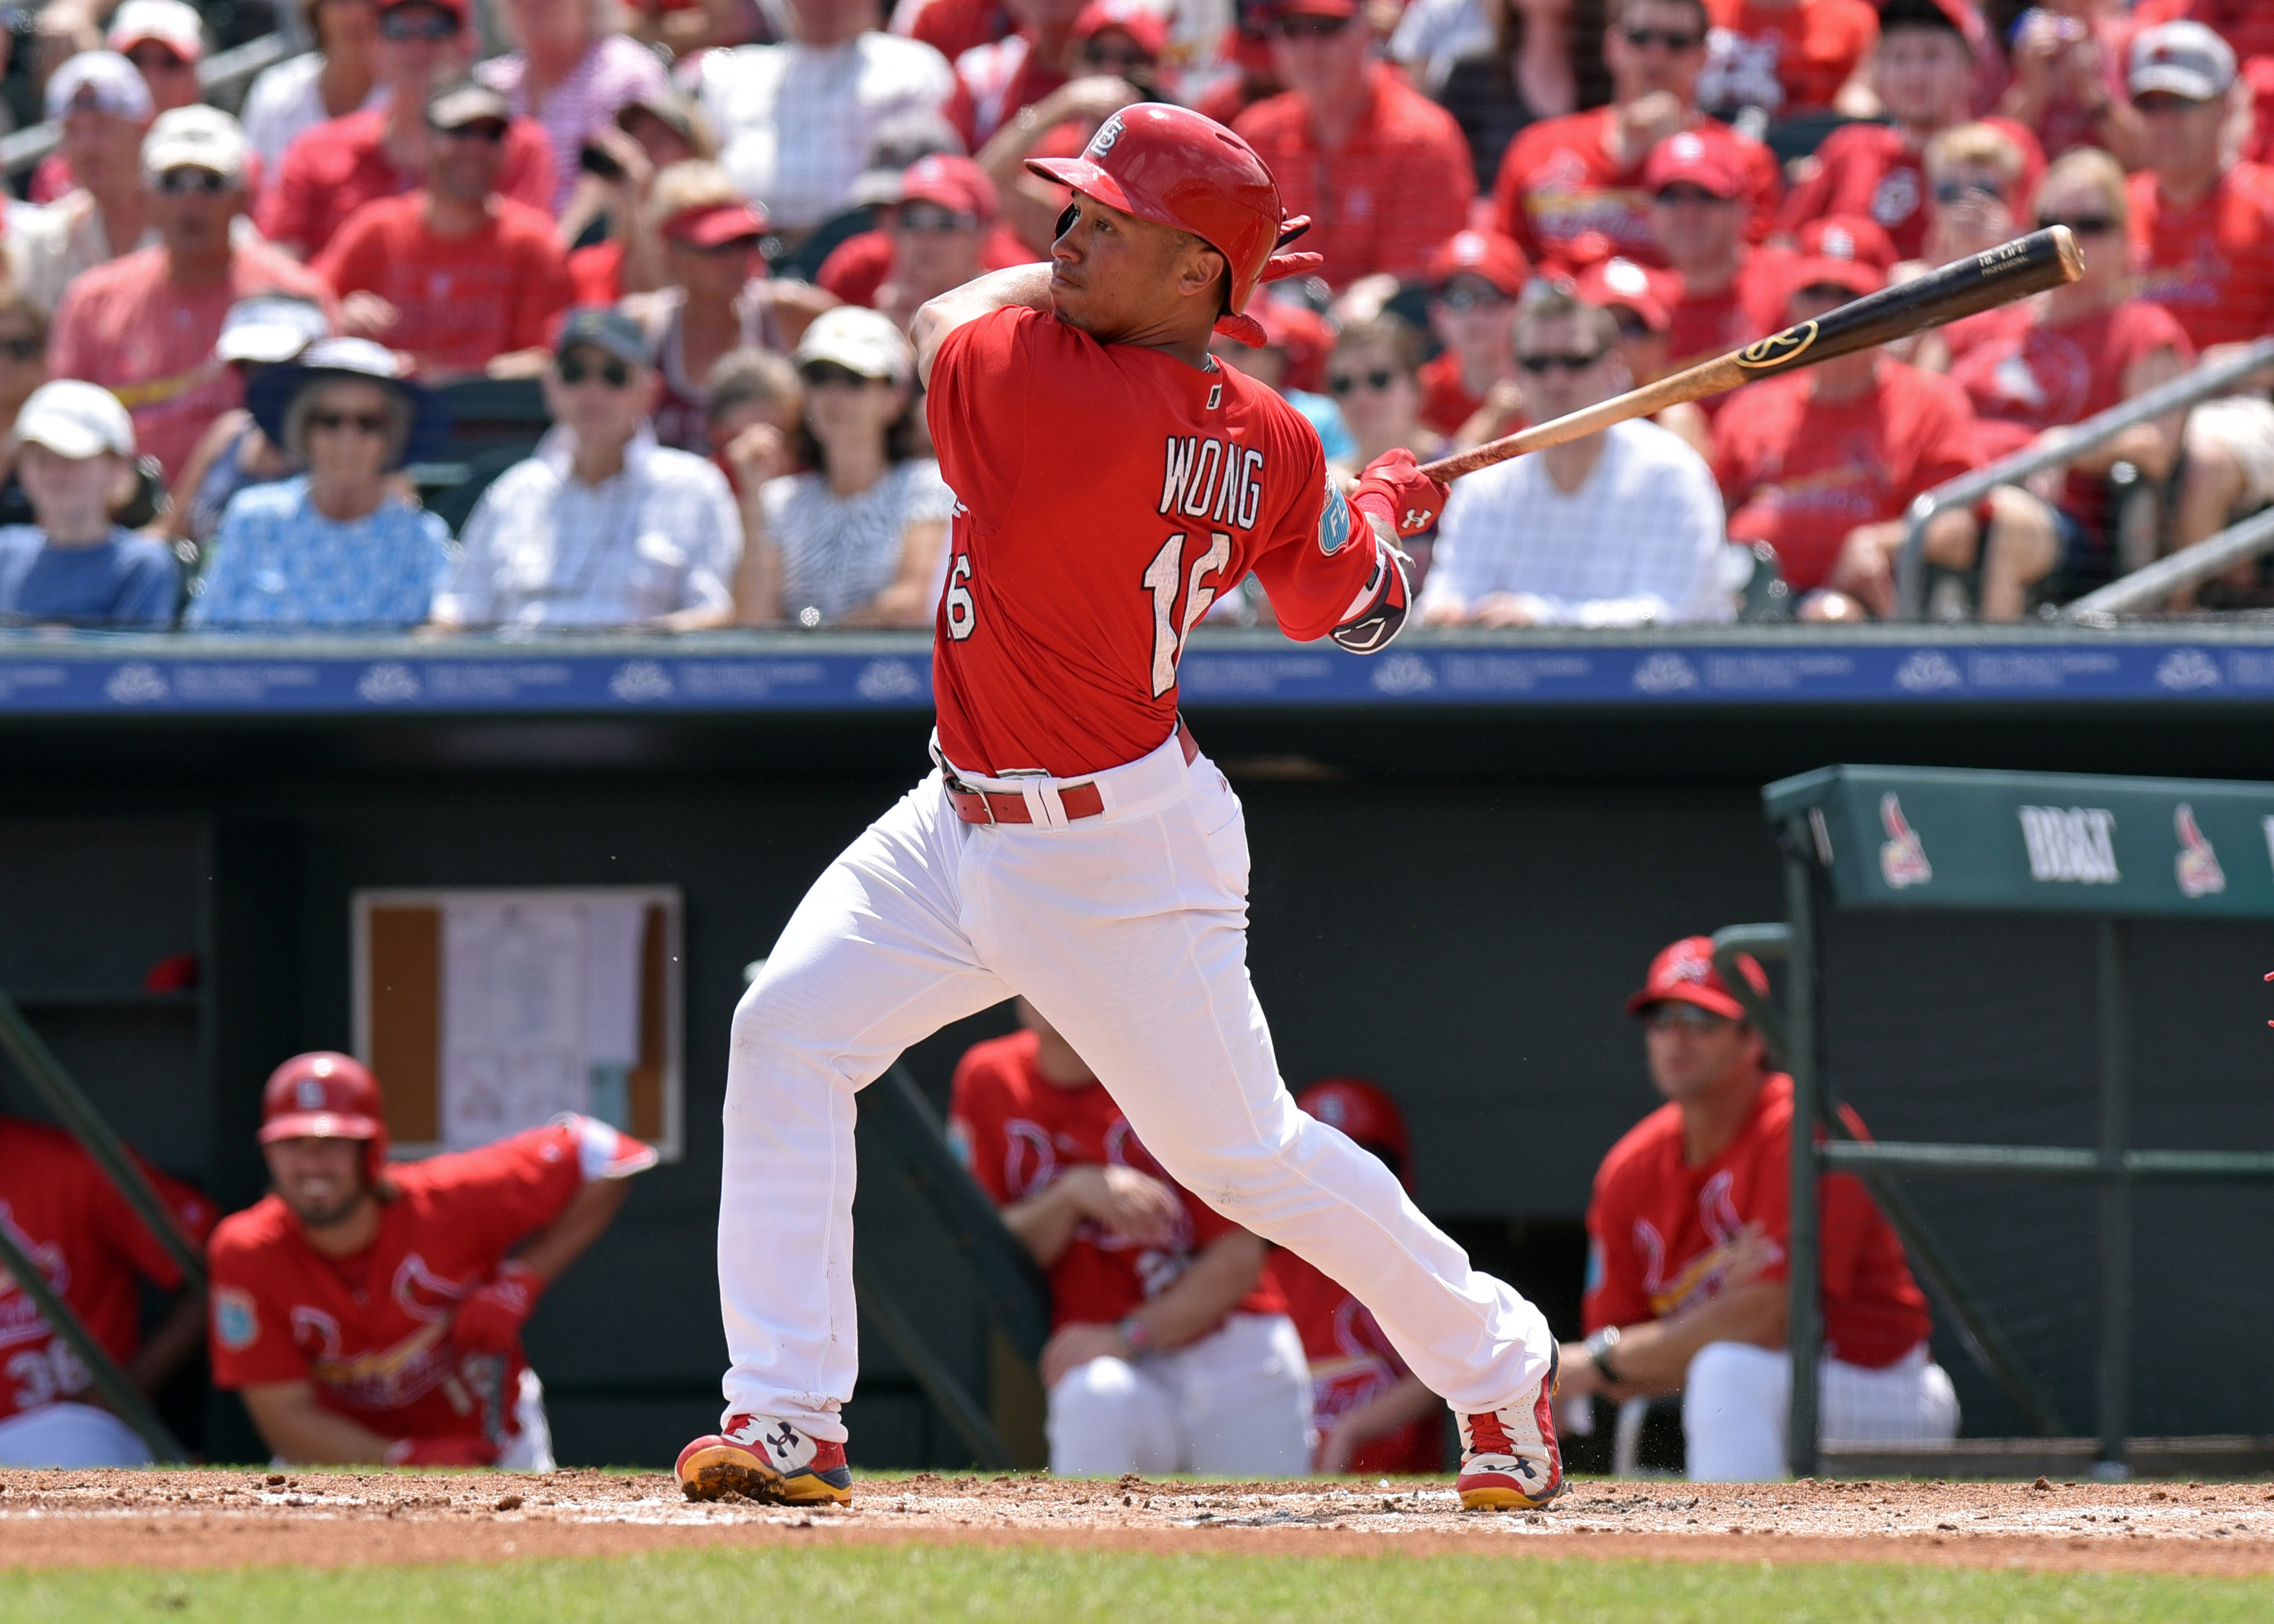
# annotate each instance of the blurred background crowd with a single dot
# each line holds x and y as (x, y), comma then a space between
(527, 313)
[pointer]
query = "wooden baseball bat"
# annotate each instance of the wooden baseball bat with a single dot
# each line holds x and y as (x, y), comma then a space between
(2011, 271)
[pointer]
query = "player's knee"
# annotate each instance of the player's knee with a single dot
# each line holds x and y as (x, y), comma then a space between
(1093, 1397)
(1724, 1377)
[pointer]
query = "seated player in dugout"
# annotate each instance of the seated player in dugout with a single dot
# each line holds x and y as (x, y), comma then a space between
(1171, 1350)
(1686, 1268)
(370, 1311)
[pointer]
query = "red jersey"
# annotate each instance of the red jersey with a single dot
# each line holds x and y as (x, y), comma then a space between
(1751, 306)
(1400, 185)
(1872, 170)
(1446, 402)
(371, 1331)
(1567, 202)
(1787, 59)
(462, 300)
(863, 263)
(1660, 1231)
(2212, 264)
(68, 1217)
(1177, 482)
(1015, 1131)
(1800, 475)
(1352, 1363)
(333, 169)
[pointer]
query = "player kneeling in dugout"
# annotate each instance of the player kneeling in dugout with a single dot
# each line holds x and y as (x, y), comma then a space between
(1170, 1348)
(1686, 1265)
(370, 1312)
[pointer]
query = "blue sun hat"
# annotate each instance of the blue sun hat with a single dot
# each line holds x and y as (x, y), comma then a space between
(269, 396)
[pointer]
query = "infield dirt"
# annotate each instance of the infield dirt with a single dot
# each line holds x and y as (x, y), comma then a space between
(232, 1518)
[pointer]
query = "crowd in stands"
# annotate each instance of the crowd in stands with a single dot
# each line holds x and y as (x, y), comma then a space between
(665, 258)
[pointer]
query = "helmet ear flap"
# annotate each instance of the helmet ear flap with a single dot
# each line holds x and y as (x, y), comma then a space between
(1072, 213)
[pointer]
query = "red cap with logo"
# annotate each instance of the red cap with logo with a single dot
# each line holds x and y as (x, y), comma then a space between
(953, 182)
(1487, 254)
(1311, 8)
(1684, 973)
(1141, 23)
(1705, 158)
(1650, 294)
(1302, 334)
(1842, 251)
(1365, 1114)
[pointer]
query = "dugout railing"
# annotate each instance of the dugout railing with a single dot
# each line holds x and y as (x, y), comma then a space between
(2111, 849)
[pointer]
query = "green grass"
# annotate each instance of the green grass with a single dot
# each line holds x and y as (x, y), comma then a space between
(938, 1585)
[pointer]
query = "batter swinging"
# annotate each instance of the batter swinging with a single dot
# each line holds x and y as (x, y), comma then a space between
(1073, 845)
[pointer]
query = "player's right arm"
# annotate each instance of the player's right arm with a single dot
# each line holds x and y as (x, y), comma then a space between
(1027, 285)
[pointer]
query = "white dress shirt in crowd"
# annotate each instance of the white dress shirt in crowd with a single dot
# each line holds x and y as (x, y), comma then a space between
(839, 551)
(1639, 542)
(543, 548)
(794, 121)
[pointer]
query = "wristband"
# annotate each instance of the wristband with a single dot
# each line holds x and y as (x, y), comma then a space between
(1134, 1336)
(1599, 1348)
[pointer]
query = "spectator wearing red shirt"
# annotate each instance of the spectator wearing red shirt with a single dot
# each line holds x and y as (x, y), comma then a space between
(1058, 127)
(1641, 302)
(1687, 1231)
(2246, 26)
(460, 278)
(370, 1312)
(1789, 58)
(1975, 201)
(1474, 280)
(338, 167)
(144, 326)
(952, 26)
(1172, 1349)
(163, 39)
(104, 109)
(993, 81)
(1381, 169)
(1730, 295)
(1924, 71)
(715, 299)
(941, 231)
(63, 1210)
(1570, 189)
(2068, 62)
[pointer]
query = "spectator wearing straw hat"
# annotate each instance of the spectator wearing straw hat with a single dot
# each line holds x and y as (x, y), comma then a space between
(75, 564)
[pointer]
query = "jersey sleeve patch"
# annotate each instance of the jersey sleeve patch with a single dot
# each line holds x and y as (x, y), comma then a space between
(1334, 521)
(236, 1320)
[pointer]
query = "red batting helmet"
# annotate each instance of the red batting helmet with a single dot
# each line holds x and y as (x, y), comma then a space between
(1366, 1114)
(1175, 168)
(323, 1095)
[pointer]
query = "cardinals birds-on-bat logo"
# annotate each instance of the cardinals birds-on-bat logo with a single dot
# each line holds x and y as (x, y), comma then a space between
(1902, 860)
(2200, 875)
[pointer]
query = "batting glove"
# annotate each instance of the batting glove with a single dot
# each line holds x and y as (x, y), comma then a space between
(490, 1319)
(1394, 489)
(442, 1452)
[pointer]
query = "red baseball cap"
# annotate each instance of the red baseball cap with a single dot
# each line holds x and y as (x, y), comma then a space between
(1487, 254)
(1311, 8)
(1141, 23)
(1684, 973)
(1706, 158)
(462, 10)
(710, 225)
(953, 182)
(1303, 333)
(1842, 251)
(1650, 294)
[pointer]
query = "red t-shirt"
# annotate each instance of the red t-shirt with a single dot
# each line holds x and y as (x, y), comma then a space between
(1015, 1130)
(1800, 475)
(70, 1219)
(596, 273)
(1352, 1363)
(371, 1331)
(126, 326)
(1178, 482)
(1786, 59)
(863, 263)
(1446, 402)
(1870, 169)
(462, 300)
(333, 169)
(1659, 1232)
(2210, 265)
(1382, 201)
(1564, 200)
(2246, 24)
(1708, 325)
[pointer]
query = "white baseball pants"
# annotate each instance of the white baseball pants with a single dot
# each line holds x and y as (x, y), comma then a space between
(1128, 931)
(1236, 1403)
(69, 1434)
(1737, 1403)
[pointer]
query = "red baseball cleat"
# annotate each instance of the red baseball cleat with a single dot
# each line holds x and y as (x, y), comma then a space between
(760, 1458)
(1509, 1457)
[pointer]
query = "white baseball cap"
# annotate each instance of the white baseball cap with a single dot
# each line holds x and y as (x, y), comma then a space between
(859, 341)
(196, 137)
(169, 22)
(269, 328)
(76, 420)
(2183, 58)
(99, 81)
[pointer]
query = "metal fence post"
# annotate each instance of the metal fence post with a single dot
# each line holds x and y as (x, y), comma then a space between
(2115, 1201)
(1805, 1031)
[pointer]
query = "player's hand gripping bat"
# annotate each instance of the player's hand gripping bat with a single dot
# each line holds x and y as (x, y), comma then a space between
(2011, 271)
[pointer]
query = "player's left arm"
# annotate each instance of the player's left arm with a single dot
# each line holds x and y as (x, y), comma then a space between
(1026, 284)
(1344, 576)
(1225, 1270)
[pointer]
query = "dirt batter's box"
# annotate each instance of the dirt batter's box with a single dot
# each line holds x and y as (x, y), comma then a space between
(2116, 850)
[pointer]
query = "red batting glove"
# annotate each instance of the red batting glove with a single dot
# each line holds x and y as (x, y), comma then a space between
(442, 1452)
(1394, 489)
(490, 1319)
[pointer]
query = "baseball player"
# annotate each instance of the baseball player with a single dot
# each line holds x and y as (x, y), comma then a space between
(1170, 1348)
(1370, 1413)
(1686, 1238)
(1073, 844)
(370, 1310)
(61, 1208)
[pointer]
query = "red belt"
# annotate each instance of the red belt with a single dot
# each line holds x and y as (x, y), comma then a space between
(979, 806)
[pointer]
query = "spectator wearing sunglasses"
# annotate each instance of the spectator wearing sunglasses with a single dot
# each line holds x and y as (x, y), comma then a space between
(1622, 528)
(234, 454)
(1475, 278)
(1975, 199)
(1696, 182)
(1924, 70)
(601, 527)
(1373, 379)
(105, 109)
(162, 41)
(336, 168)
(461, 278)
(862, 539)
(1641, 303)
(336, 545)
(571, 70)
(939, 230)
(1381, 169)
(339, 77)
(144, 325)
(75, 564)
(1570, 189)
(2084, 348)
(1785, 58)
